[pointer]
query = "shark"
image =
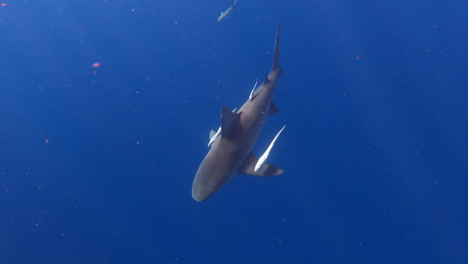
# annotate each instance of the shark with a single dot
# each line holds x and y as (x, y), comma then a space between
(231, 146)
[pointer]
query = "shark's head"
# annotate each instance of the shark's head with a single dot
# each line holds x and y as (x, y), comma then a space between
(214, 171)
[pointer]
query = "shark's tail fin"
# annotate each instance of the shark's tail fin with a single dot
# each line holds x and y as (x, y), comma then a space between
(276, 66)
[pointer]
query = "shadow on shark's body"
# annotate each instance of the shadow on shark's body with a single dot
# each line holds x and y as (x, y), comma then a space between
(231, 151)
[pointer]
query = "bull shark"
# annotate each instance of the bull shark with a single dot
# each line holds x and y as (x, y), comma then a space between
(231, 147)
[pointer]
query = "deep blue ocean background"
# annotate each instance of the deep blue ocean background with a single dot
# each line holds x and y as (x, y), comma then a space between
(106, 108)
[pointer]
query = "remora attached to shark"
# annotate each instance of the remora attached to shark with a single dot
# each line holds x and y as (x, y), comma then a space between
(231, 146)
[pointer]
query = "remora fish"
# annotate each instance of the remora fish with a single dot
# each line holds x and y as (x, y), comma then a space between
(224, 14)
(231, 151)
(264, 157)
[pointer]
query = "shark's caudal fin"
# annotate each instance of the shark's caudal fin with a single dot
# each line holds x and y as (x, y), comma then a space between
(276, 66)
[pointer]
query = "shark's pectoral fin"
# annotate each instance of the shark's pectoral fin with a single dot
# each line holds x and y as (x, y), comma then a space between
(228, 118)
(273, 108)
(249, 168)
(214, 136)
(212, 133)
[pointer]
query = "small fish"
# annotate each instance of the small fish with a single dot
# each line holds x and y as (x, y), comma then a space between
(251, 96)
(263, 158)
(224, 14)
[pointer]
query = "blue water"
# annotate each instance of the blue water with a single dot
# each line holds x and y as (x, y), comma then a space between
(106, 107)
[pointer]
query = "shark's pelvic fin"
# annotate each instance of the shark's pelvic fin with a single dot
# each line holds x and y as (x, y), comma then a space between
(262, 159)
(273, 108)
(266, 80)
(248, 167)
(228, 118)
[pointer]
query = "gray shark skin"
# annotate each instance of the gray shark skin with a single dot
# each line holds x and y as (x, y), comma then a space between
(231, 153)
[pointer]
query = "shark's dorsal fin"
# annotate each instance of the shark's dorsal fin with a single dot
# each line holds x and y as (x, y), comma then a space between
(248, 168)
(228, 118)
(273, 108)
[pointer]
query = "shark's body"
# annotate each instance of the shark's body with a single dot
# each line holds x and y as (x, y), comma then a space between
(231, 151)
